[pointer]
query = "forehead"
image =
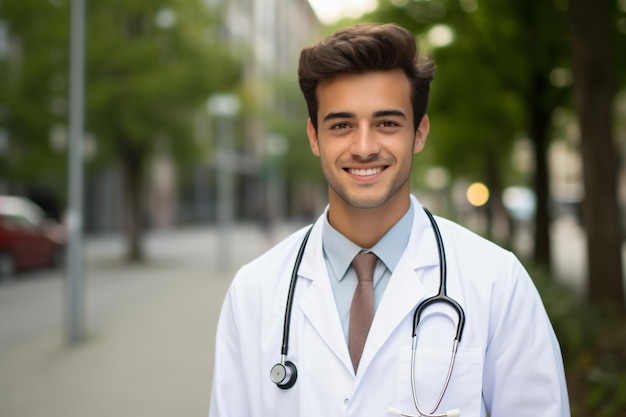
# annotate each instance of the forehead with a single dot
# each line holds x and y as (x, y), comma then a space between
(364, 93)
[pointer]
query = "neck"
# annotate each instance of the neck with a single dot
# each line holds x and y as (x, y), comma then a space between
(365, 227)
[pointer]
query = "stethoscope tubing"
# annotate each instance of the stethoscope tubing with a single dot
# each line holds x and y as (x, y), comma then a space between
(290, 296)
(441, 296)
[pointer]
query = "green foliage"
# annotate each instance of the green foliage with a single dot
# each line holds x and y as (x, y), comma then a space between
(147, 80)
(592, 343)
(488, 79)
(33, 88)
(150, 64)
(574, 322)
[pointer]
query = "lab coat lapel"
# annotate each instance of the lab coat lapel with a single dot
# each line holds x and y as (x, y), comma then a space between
(405, 289)
(317, 301)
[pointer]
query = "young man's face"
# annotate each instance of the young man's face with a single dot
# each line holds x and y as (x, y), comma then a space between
(365, 137)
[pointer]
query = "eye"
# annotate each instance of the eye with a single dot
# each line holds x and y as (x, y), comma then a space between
(340, 126)
(388, 124)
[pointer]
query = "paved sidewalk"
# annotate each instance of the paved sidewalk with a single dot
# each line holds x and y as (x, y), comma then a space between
(150, 342)
(151, 359)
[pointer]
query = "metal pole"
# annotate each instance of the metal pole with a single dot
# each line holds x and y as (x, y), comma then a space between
(225, 192)
(74, 284)
(224, 108)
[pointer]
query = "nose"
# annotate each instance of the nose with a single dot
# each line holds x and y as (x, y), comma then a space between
(364, 143)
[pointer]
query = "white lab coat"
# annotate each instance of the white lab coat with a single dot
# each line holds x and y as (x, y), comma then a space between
(508, 365)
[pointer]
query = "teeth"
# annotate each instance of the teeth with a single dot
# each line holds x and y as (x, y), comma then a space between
(365, 172)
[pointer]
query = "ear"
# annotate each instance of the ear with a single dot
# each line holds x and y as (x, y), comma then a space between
(313, 141)
(421, 134)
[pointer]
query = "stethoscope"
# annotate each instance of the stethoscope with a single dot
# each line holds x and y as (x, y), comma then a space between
(284, 374)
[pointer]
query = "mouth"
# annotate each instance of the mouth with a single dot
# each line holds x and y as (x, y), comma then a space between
(365, 172)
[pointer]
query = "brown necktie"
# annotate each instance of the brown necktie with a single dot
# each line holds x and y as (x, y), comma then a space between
(362, 309)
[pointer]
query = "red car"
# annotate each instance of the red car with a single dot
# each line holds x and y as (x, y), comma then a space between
(27, 238)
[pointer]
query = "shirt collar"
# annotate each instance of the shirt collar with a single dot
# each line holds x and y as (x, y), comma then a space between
(340, 250)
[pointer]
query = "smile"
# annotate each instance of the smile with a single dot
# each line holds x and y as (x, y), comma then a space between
(365, 172)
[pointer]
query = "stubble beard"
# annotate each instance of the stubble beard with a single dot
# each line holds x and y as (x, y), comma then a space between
(364, 198)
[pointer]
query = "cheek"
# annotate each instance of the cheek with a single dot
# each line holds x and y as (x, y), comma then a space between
(401, 149)
(327, 159)
(330, 150)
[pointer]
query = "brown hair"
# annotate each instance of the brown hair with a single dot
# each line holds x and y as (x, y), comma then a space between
(365, 48)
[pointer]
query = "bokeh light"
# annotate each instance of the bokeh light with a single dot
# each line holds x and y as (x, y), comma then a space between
(477, 194)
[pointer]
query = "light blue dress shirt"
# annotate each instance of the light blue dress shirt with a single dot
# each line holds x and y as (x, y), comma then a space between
(339, 252)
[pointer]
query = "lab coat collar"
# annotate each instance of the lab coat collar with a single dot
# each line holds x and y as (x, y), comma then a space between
(402, 294)
(317, 301)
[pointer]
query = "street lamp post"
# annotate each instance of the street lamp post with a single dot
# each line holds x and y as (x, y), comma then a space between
(224, 108)
(74, 284)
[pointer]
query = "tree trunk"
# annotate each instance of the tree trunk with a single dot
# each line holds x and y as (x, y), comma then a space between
(539, 134)
(539, 109)
(499, 219)
(132, 166)
(594, 91)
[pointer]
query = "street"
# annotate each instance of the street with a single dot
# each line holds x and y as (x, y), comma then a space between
(148, 349)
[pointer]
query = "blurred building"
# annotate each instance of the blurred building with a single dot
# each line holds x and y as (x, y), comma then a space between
(274, 30)
(268, 36)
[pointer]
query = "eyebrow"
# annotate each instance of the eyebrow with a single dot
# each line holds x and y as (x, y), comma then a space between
(338, 115)
(385, 113)
(379, 113)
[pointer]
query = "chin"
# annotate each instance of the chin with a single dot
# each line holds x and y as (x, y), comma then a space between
(366, 202)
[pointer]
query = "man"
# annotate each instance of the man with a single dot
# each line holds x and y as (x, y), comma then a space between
(330, 342)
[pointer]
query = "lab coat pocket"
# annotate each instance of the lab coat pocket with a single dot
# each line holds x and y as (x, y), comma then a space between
(431, 369)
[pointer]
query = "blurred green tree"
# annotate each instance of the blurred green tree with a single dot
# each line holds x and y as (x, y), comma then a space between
(33, 91)
(150, 66)
(507, 70)
(493, 84)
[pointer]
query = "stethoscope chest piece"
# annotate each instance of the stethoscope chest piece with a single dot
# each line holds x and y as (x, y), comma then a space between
(284, 375)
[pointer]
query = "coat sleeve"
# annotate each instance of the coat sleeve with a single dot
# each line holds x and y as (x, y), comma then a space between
(228, 394)
(523, 373)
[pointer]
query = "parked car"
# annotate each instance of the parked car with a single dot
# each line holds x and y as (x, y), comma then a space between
(27, 238)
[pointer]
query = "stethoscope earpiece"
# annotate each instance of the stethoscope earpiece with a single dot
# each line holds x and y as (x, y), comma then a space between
(284, 371)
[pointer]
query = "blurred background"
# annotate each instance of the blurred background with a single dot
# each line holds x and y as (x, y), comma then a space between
(122, 221)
